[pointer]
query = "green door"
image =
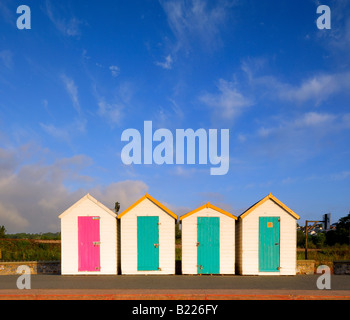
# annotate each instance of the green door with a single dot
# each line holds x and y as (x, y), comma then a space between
(269, 244)
(147, 243)
(208, 245)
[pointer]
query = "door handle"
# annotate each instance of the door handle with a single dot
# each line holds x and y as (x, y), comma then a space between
(156, 245)
(276, 244)
(197, 244)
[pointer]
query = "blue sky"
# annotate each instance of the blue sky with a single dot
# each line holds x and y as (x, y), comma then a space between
(88, 70)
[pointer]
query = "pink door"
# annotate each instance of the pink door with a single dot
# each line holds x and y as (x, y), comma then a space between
(89, 243)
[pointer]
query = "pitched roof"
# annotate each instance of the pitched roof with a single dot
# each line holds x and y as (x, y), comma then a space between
(274, 199)
(208, 205)
(91, 198)
(147, 196)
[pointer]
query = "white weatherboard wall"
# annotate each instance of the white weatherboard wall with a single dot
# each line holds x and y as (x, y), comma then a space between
(189, 241)
(88, 206)
(248, 240)
(128, 234)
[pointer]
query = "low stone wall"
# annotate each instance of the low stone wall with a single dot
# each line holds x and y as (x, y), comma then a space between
(341, 267)
(305, 266)
(36, 267)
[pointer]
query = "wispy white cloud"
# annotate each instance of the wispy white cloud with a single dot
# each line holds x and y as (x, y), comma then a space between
(228, 103)
(315, 89)
(6, 58)
(309, 121)
(70, 129)
(111, 111)
(72, 90)
(67, 26)
(318, 88)
(196, 19)
(67, 132)
(6, 13)
(115, 70)
(167, 64)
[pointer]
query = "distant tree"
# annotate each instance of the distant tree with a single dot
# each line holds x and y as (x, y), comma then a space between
(342, 233)
(177, 232)
(344, 222)
(2, 232)
(300, 239)
(319, 240)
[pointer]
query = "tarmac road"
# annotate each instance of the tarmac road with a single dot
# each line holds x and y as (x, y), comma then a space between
(178, 282)
(175, 287)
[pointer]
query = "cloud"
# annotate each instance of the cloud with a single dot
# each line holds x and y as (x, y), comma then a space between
(72, 91)
(317, 88)
(112, 108)
(115, 70)
(77, 126)
(167, 64)
(6, 58)
(298, 138)
(66, 132)
(228, 103)
(306, 122)
(111, 111)
(67, 26)
(6, 13)
(125, 192)
(33, 193)
(195, 19)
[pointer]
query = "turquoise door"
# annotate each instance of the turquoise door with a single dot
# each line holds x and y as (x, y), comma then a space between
(269, 244)
(147, 243)
(208, 245)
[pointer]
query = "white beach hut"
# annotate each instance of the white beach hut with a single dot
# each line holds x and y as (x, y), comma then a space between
(147, 235)
(88, 238)
(208, 241)
(266, 240)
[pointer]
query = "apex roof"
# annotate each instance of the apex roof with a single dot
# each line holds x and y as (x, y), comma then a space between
(91, 198)
(274, 199)
(147, 196)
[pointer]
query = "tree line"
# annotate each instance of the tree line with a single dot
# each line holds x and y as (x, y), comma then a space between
(339, 236)
(31, 236)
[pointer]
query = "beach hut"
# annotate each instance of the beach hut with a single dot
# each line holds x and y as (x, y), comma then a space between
(208, 241)
(147, 236)
(88, 238)
(266, 239)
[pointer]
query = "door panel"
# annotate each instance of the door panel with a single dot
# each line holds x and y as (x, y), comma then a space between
(147, 243)
(208, 245)
(89, 244)
(269, 244)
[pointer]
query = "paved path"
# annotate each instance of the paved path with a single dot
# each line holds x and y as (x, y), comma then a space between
(174, 287)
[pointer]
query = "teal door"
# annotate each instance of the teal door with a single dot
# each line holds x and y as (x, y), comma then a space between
(147, 243)
(208, 245)
(269, 244)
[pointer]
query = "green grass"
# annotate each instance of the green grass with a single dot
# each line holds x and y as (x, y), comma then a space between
(327, 255)
(25, 250)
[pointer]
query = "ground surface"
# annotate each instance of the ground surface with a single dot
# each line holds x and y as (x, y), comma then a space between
(175, 287)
